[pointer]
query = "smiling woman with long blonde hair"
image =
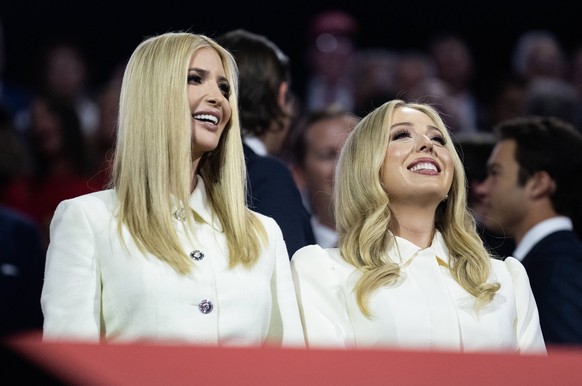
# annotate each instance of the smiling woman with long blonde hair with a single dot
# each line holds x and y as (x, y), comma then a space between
(410, 270)
(171, 253)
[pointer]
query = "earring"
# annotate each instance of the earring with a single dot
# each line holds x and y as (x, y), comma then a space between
(446, 197)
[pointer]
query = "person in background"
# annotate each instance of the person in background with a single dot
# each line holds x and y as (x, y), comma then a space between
(266, 113)
(14, 96)
(317, 142)
(533, 193)
(456, 67)
(60, 167)
(538, 54)
(410, 270)
(171, 253)
(64, 74)
(22, 252)
(374, 73)
(474, 150)
(21, 271)
(330, 53)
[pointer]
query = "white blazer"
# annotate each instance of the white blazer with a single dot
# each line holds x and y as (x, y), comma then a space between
(427, 309)
(98, 288)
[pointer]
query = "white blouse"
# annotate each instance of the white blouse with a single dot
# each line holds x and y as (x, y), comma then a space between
(426, 309)
(98, 288)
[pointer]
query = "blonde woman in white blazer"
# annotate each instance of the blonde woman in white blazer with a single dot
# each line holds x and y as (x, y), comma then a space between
(410, 271)
(171, 253)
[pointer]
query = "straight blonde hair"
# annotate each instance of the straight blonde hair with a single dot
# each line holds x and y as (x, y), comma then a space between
(363, 214)
(153, 156)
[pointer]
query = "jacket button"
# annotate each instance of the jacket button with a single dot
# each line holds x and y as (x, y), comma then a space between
(197, 254)
(205, 306)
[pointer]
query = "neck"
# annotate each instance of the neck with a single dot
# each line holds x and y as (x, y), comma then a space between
(536, 215)
(416, 225)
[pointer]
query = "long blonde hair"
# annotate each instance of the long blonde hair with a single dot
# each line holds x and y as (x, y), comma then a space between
(153, 155)
(363, 212)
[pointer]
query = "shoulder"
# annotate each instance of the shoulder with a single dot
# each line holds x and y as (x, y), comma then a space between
(259, 164)
(509, 264)
(315, 257)
(563, 244)
(96, 204)
(100, 198)
(510, 270)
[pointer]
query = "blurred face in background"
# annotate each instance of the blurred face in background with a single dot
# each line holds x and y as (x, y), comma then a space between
(324, 140)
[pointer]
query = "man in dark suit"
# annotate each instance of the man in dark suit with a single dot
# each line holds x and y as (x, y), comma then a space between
(265, 113)
(21, 273)
(272, 191)
(533, 192)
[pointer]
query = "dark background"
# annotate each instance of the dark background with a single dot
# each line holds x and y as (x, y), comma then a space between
(110, 30)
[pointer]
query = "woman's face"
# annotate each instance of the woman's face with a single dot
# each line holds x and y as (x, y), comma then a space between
(208, 91)
(418, 168)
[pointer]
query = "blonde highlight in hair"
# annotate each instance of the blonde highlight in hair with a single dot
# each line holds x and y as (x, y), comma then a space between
(153, 157)
(363, 214)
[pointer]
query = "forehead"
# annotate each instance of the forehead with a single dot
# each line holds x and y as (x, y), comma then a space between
(410, 115)
(503, 151)
(207, 59)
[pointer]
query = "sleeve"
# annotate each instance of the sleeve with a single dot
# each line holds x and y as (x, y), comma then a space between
(71, 294)
(529, 333)
(285, 325)
(321, 298)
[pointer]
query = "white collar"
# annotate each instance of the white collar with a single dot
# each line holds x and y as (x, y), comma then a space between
(200, 204)
(256, 144)
(403, 250)
(325, 236)
(538, 232)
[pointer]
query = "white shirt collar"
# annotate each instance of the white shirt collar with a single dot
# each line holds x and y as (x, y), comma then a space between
(325, 236)
(404, 250)
(538, 232)
(256, 144)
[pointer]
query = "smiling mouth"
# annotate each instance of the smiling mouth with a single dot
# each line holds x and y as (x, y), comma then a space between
(206, 118)
(424, 166)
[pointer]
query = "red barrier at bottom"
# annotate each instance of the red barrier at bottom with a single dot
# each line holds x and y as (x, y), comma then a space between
(145, 364)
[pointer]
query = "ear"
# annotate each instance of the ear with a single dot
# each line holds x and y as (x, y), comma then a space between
(541, 185)
(282, 97)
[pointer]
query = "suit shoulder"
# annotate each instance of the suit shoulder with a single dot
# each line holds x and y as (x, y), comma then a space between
(95, 202)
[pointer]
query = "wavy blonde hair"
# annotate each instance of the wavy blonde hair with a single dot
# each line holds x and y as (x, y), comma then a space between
(363, 214)
(151, 170)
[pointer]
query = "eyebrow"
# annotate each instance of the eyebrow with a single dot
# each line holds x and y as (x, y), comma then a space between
(205, 73)
(394, 126)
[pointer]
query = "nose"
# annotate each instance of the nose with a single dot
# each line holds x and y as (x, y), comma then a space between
(479, 188)
(425, 144)
(214, 96)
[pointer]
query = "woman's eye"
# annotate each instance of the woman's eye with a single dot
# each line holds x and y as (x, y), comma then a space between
(225, 89)
(440, 139)
(194, 78)
(400, 134)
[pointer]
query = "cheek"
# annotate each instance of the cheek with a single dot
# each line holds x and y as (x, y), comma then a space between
(227, 111)
(318, 169)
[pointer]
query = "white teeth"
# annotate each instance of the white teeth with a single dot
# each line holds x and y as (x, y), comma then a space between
(207, 117)
(423, 166)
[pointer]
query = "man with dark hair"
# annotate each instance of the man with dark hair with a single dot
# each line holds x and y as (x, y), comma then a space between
(532, 191)
(265, 113)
